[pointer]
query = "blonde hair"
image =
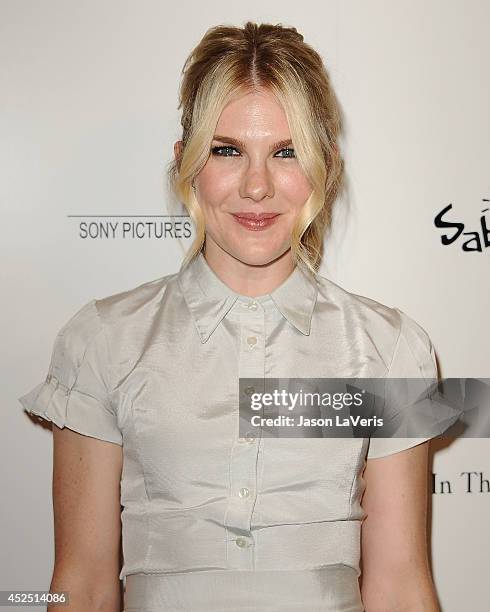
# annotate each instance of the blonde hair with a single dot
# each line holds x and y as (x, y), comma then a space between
(231, 60)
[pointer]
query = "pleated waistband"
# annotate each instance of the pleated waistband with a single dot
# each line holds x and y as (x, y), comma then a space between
(331, 589)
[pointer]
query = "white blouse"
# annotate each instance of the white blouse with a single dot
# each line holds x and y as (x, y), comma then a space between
(211, 520)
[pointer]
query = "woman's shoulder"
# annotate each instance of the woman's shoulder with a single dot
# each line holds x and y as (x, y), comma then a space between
(135, 302)
(369, 316)
(335, 294)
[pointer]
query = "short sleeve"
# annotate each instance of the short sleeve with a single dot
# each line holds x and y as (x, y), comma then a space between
(76, 390)
(413, 357)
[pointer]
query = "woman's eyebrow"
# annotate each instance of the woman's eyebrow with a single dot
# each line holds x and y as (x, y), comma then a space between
(238, 143)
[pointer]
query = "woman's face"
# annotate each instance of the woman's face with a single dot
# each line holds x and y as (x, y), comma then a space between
(252, 169)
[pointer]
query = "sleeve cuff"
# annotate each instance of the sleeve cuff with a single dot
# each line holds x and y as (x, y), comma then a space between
(84, 414)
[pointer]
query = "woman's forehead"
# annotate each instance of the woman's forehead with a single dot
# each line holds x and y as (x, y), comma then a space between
(253, 114)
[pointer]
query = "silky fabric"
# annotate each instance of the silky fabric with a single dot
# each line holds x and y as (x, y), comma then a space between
(156, 369)
(329, 589)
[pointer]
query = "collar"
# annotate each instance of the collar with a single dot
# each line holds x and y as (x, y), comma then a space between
(209, 299)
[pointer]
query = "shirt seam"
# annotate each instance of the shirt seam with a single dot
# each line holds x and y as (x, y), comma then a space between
(390, 365)
(103, 330)
(88, 344)
(147, 500)
(350, 513)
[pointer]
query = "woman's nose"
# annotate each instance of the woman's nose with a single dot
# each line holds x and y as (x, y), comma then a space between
(257, 182)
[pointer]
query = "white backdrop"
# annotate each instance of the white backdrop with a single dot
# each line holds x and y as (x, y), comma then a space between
(88, 122)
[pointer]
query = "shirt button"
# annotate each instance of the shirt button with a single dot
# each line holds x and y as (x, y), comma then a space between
(249, 439)
(241, 542)
(244, 492)
(252, 341)
(253, 305)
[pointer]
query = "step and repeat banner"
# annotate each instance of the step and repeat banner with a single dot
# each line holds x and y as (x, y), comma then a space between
(89, 119)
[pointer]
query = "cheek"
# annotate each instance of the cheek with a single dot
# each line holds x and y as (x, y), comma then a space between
(293, 186)
(215, 184)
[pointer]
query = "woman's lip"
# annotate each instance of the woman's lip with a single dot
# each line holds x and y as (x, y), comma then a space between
(256, 223)
(255, 217)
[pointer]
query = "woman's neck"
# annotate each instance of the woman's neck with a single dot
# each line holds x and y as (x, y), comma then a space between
(246, 279)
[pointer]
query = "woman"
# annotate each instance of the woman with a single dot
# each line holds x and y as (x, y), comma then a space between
(143, 386)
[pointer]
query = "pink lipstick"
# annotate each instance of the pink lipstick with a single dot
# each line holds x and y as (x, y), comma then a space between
(256, 222)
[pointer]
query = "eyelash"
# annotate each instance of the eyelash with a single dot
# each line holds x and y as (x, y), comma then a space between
(215, 151)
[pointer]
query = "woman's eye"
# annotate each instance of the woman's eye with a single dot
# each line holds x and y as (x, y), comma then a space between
(288, 152)
(229, 151)
(223, 151)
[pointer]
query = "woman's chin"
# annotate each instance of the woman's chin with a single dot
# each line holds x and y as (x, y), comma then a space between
(256, 256)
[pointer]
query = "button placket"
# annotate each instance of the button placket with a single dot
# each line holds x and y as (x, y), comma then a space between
(243, 464)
